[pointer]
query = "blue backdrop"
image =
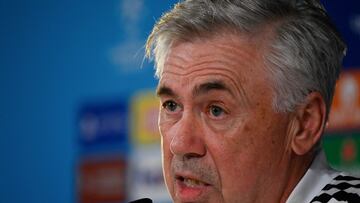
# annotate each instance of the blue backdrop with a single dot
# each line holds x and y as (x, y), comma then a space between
(56, 55)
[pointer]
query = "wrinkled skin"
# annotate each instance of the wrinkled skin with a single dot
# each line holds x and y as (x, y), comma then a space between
(221, 139)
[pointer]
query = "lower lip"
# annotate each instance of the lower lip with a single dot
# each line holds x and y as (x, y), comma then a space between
(190, 194)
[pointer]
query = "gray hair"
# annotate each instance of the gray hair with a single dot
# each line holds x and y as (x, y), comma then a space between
(305, 52)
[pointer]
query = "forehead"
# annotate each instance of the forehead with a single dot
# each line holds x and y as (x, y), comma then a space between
(228, 45)
(224, 57)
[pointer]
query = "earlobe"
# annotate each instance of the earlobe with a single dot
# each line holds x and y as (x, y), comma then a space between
(310, 122)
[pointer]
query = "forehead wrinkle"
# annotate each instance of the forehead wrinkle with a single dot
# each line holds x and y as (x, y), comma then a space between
(175, 65)
(178, 56)
(230, 47)
(230, 53)
(213, 63)
(233, 58)
(227, 63)
(204, 65)
(240, 91)
(233, 48)
(215, 69)
(175, 58)
(239, 57)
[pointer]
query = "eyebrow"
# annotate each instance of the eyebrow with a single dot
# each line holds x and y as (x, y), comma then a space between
(198, 90)
(164, 91)
(210, 86)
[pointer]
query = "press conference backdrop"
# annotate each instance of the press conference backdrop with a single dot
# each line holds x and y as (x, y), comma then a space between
(77, 111)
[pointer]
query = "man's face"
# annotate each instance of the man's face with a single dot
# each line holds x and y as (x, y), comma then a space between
(221, 139)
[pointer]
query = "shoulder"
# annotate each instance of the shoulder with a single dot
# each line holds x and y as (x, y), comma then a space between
(343, 188)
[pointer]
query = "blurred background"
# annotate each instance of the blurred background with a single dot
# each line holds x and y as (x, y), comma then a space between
(77, 109)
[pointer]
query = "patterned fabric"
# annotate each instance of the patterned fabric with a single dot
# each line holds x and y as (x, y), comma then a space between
(342, 189)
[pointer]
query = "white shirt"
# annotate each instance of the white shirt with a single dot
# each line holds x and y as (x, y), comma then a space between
(315, 179)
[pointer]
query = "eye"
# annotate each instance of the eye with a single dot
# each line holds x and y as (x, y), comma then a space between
(216, 111)
(170, 106)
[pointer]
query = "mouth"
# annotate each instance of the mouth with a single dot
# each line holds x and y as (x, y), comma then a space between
(191, 182)
(190, 189)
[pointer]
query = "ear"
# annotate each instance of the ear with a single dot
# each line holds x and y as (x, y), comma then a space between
(309, 124)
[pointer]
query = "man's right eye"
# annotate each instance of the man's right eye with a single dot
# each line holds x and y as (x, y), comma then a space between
(170, 106)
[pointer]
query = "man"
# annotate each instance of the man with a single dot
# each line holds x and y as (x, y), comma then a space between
(246, 88)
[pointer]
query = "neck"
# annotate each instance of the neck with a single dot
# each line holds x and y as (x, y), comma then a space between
(296, 169)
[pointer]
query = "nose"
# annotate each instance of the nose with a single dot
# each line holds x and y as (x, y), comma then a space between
(187, 139)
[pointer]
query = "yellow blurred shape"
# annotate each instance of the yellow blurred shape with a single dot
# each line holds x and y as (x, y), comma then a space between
(144, 114)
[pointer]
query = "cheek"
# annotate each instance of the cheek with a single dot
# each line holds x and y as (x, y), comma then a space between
(165, 144)
(237, 172)
(245, 152)
(234, 155)
(166, 163)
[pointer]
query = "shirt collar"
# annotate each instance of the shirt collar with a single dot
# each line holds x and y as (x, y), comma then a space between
(317, 176)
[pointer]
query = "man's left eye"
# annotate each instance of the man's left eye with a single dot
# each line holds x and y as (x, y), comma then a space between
(216, 111)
